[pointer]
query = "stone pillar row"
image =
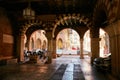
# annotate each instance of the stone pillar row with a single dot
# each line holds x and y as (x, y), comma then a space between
(52, 47)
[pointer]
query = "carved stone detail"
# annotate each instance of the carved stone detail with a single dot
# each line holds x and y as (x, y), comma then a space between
(69, 19)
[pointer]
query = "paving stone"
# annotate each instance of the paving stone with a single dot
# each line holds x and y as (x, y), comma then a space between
(75, 67)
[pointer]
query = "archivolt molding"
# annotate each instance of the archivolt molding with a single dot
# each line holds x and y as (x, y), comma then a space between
(30, 23)
(111, 7)
(69, 19)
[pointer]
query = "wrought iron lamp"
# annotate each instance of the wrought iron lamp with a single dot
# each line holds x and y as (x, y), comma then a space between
(28, 13)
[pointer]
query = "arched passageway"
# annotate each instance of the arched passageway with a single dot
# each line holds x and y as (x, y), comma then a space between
(87, 43)
(37, 40)
(76, 22)
(37, 47)
(101, 14)
(104, 44)
(68, 42)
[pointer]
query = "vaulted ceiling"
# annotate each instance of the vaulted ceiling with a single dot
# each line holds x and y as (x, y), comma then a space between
(52, 7)
(84, 7)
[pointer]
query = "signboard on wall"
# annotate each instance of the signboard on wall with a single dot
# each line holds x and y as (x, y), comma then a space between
(7, 38)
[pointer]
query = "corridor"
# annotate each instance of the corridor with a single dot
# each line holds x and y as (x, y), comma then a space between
(66, 67)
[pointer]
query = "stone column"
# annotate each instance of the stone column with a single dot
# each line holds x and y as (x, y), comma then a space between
(54, 48)
(50, 45)
(94, 48)
(81, 49)
(20, 49)
(94, 34)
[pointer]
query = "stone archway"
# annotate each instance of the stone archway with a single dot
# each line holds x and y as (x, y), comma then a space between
(24, 30)
(112, 10)
(103, 43)
(74, 21)
(70, 19)
(68, 42)
(101, 9)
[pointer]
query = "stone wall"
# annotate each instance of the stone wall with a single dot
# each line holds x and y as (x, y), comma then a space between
(6, 36)
(114, 34)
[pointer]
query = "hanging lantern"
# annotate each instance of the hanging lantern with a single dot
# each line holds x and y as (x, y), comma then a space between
(28, 13)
